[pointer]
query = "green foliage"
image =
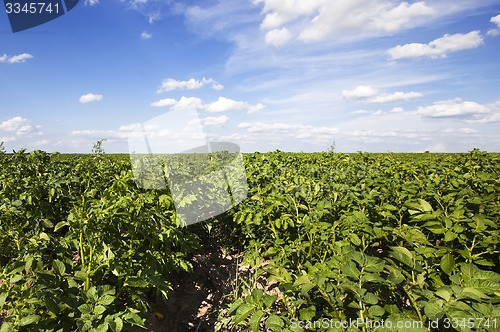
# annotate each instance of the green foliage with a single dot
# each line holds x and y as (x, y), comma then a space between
(82, 247)
(390, 237)
(373, 237)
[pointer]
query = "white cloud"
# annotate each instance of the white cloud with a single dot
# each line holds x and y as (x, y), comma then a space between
(495, 32)
(389, 136)
(182, 103)
(187, 103)
(374, 133)
(321, 19)
(220, 105)
(460, 131)
(368, 94)
(496, 20)
(164, 102)
(438, 48)
(394, 97)
(359, 92)
(7, 139)
(298, 131)
(278, 37)
(361, 112)
(217, 86)
(484, 118)
(452, 108)
(90, 97)
(226, 104)
(397, 110)
(91, 2)
(214, 121)
(13, 124)
(171, 84)
(20, 126)
(20, 58)
(378, 112)
(146, 35)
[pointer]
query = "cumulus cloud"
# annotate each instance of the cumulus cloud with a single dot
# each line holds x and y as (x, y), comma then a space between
(90, 97)
(278, 37)
(322, 19)
(171, 84)
(495, 32)
(20, 58)
(226, 104)
(438, 48)
(146, 35)
(18, 126)
(91, 2)
(368, 94)
(452, 108)
(359, 92)
(13, 124)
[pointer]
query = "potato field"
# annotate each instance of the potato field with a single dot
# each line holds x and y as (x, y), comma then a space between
(322, 242)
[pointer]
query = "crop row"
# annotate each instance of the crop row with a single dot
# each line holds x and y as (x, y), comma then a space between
(327, 236)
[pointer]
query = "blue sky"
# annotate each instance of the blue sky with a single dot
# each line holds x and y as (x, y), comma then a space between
(371, 75)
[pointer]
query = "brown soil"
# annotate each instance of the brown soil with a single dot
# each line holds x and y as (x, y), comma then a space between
(197, 296)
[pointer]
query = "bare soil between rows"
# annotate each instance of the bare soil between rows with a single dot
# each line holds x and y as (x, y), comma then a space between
(197, 296)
